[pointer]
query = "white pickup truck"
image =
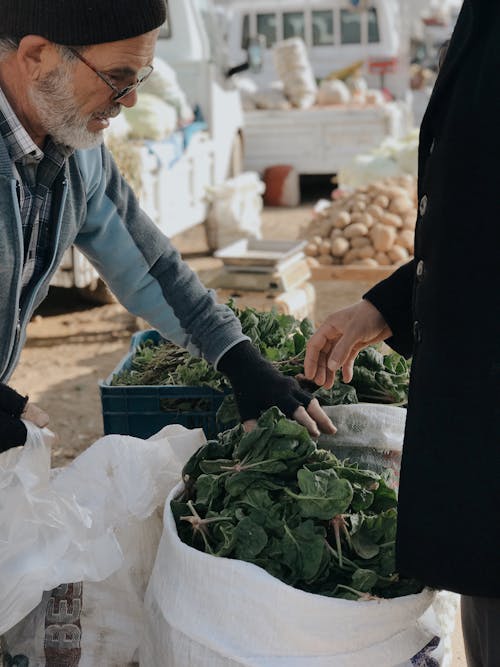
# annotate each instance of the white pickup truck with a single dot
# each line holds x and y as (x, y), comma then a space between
(176, 173)
(336, 34)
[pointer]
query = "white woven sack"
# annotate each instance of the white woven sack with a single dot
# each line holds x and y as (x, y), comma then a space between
(215, 612)
(294, 69)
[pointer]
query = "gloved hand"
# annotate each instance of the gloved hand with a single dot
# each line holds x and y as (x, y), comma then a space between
(13, 408)
(257, 385)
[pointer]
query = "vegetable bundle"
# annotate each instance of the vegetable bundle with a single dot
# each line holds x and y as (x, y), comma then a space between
(282, 340)
(271, 498)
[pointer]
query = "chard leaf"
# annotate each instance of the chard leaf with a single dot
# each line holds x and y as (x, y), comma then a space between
(208, 489)
(385, 498)
(302, 550)
(362, 498)
(224, 534)
(364, 580)
(371, 358)
(238, 483)
(250, 539)
(364, 545)
(323, 495)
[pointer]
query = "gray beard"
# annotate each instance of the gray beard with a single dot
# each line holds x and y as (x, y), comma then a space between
(60, 117)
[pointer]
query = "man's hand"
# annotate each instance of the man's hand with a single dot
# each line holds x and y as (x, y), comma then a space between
(312, 416)
(258, 385)
(33, 413)
(339, 339)
(13, 409)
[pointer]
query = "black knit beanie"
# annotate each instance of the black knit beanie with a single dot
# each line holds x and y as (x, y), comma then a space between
(81, 22)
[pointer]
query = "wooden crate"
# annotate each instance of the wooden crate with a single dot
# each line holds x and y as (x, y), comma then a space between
(352, 272)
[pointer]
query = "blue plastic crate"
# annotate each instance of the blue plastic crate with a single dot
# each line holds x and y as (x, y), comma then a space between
(143, 410)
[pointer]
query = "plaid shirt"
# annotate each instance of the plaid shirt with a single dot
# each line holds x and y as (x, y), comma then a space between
(36, 172)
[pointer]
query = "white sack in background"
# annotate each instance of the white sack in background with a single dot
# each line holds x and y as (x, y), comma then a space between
(163, 83)
(236, 207)
(333, 91)
(151, 118)
(294, 70)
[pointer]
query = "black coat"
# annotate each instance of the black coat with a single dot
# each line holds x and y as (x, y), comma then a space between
(444, 310)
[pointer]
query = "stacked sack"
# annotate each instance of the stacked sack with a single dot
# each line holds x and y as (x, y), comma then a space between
(372, 226)
(294, 70)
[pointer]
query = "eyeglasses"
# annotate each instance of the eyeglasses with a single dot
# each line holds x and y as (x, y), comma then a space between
(119, 94)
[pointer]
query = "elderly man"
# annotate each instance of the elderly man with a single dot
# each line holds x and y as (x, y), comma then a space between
(66, 68)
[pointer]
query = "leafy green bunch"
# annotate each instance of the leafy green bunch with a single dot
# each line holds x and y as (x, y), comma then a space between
(282, 340)
(271, 498)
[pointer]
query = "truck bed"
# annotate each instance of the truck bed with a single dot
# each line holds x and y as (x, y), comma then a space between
(319, 140)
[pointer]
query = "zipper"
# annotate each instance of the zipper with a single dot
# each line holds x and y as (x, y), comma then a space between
(14, 352)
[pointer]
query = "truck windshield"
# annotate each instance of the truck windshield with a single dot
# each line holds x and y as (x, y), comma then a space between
(373, 30)
(266, 25)
(350, 27)
(293, 25)
(322, 27)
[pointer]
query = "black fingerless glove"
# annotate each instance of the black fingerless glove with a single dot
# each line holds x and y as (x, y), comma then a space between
(12, 430)
(257, 385)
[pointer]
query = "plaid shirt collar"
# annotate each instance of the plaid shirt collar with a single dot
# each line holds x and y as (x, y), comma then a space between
(20, 145)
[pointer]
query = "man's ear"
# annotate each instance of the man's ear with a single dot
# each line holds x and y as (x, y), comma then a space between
(36, 56)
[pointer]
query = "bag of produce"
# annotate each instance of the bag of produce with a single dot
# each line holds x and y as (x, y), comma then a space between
(294, 70)
(151, 118)
(275, 553)
(94, 523)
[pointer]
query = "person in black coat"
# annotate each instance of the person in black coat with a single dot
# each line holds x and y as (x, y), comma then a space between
(443, 310)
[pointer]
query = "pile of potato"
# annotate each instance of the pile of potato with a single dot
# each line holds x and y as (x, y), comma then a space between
(372, 226)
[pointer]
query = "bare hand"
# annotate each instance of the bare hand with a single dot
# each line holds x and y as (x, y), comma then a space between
(36, 415)
(339, 339)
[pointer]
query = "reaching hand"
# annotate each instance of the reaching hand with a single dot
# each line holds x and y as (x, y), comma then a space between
(339, 339)
(258, 386)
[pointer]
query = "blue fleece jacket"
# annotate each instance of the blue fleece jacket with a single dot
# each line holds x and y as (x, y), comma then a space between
(98, 212)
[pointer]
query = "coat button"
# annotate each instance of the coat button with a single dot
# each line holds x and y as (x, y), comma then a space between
(420, 269)
(417, 331)
(423, 205)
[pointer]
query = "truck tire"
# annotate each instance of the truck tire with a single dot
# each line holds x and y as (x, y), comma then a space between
(97, 292)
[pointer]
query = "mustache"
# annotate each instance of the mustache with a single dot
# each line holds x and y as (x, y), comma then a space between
(110, 112)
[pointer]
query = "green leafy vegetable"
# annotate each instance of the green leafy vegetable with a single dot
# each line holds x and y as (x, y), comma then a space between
(271, 498)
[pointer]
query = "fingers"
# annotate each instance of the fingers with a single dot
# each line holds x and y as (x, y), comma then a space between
(36, 415)
(318, 350)
(302, 417)
(322, 420)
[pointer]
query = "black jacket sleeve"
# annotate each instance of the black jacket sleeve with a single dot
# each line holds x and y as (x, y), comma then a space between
(393, 298)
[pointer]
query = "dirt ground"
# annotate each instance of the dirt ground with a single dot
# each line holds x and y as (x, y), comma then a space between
(71, 345)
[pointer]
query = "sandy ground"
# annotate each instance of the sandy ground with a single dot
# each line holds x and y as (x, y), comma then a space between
(72, 345)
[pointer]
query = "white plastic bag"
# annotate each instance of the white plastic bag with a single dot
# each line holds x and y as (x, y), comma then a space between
(236, 207)
(218, 612)
(60, 527)
(370, 434)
